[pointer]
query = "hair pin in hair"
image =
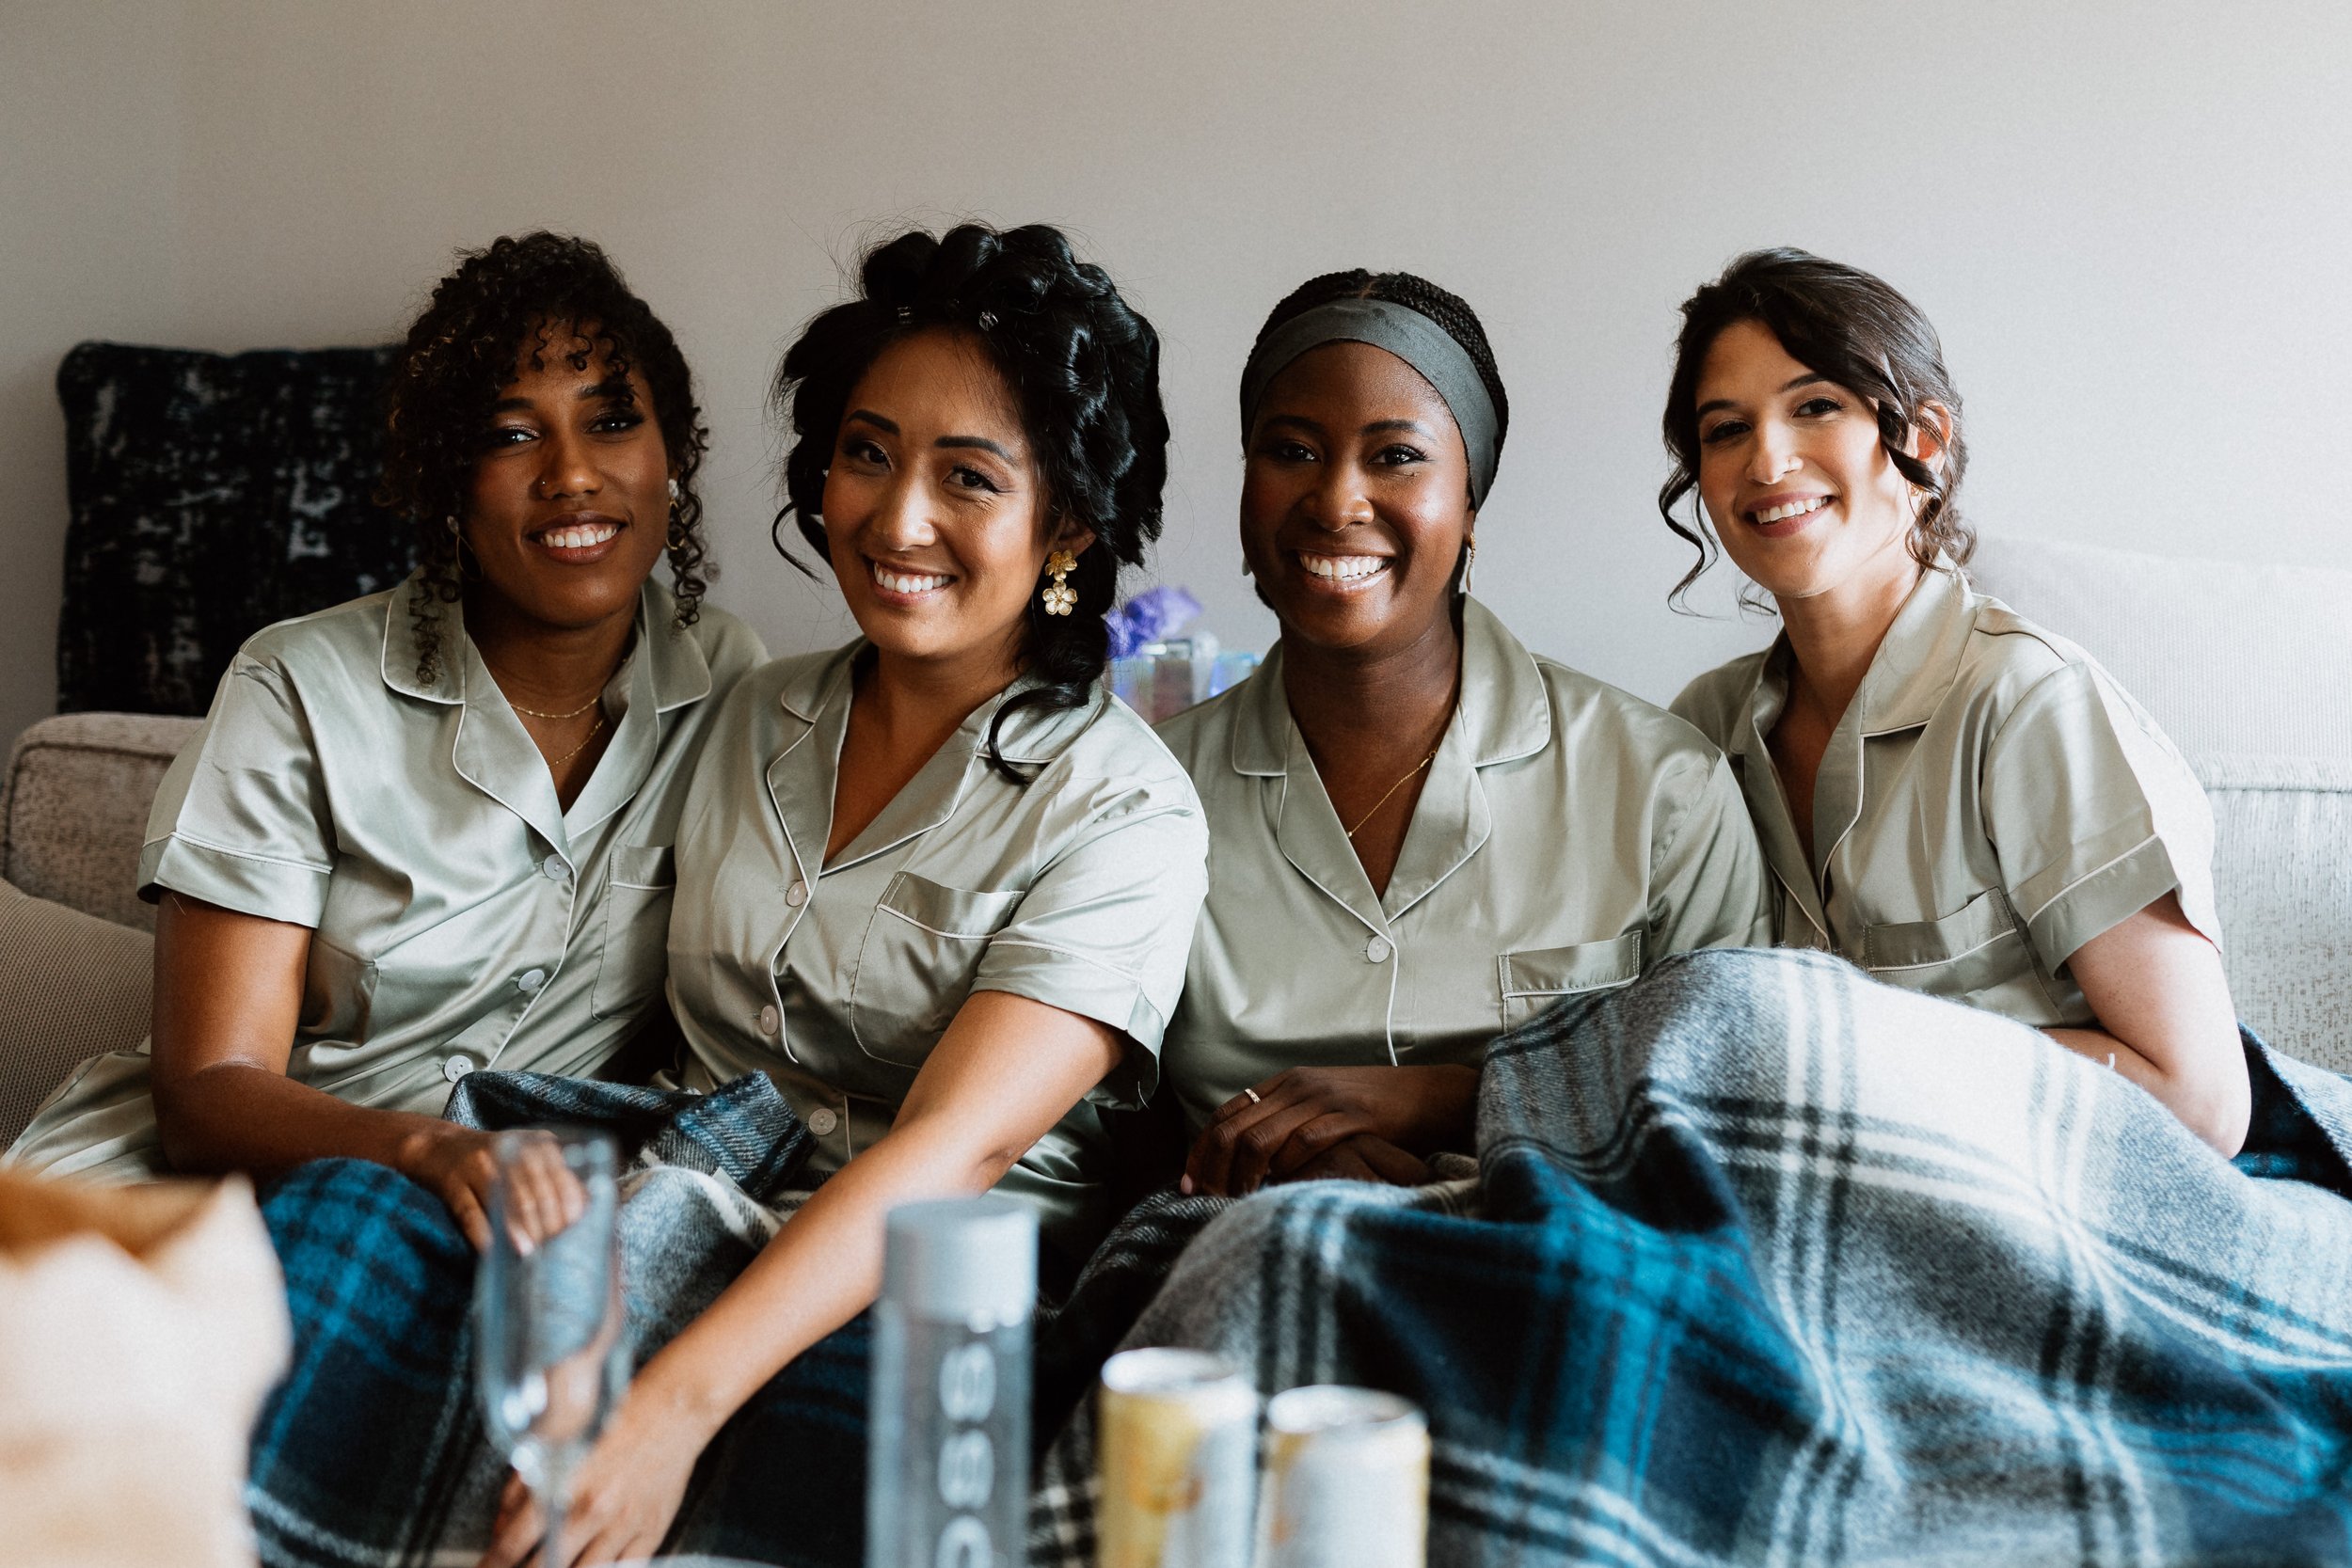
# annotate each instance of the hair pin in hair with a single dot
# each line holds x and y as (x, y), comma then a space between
(988, 319)
(906, 314)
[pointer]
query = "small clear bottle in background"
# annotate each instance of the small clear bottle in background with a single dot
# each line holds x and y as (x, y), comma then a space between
(1347, 1481)
(1176, 1449)
(947, 1455)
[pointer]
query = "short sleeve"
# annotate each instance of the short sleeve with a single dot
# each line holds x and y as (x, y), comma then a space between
(1708, 885)
(1105, 930)
(2094, 814)
(240, 819)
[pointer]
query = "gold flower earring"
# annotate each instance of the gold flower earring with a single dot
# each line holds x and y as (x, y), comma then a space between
(1059, 597)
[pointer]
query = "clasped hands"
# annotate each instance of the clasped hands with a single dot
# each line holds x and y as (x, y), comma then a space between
(1356, 1123)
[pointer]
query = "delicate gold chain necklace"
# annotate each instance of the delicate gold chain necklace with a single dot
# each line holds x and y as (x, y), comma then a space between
(594, 730)
(1391, 790)
(574, 713)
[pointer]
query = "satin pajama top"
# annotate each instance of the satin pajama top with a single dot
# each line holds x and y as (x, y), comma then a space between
(837, 979)
(1566, 836)
(461, 918)
(1989, 800)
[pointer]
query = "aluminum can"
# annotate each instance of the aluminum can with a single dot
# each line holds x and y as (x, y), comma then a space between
(1347, 1481)
(1177, 1455)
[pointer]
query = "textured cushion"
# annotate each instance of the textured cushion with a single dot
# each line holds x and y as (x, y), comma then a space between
(2228, 658)
(212, 494)
(73, 808)
(73, 987)
(2282, 842)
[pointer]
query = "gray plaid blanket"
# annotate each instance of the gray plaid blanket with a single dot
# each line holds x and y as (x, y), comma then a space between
(1766, 1264)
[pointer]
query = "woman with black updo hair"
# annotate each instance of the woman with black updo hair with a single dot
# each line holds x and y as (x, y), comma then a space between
(1424, 834)
(937, 884)
(429, 830)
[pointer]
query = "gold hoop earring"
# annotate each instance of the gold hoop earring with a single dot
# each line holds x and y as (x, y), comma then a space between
(1469, 562)
(1059, 597)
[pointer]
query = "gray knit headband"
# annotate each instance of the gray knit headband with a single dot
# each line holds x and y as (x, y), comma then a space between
(1413, 338)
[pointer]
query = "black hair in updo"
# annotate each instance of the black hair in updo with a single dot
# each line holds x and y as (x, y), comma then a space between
(1085, 368)
(520, 300)
(1857, 330)
(1417, 294)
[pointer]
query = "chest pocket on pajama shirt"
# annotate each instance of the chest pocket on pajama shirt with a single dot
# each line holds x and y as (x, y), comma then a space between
(639, 885)
(1533, 979)
(1977, 946)
(922, 949)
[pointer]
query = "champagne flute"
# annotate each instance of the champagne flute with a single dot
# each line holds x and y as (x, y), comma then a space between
(551, 1360)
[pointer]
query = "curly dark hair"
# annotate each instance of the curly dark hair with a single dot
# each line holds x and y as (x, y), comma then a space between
(502, 306)
(1857, 330)
(1085, 367)
(1451, 312)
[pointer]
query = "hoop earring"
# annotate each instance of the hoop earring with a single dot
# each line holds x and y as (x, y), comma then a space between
(1059, 598)
(676, 539)
(1469, 562)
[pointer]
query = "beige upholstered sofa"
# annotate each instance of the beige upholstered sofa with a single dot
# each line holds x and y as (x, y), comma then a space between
(75, 958)
(2249, 670)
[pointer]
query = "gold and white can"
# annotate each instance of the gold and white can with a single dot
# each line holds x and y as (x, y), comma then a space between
(1347, 1481)
(1177, 1458)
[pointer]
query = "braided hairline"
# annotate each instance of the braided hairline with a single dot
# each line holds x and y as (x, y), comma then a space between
(515, 299)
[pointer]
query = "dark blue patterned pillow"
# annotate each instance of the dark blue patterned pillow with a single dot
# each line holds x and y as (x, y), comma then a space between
(212, 494)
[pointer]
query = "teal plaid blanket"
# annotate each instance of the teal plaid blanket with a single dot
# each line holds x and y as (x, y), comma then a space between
(1768, 1264)
(1764, 1263)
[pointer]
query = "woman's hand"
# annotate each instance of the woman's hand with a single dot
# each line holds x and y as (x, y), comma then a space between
(1274, 1131)
(458, 1163)
(624, 1494)
(1364, 1157)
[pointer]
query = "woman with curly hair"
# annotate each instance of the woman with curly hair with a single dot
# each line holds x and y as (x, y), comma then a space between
(937, 884)
(1425, 833)
(430, 830)
(1949, 796)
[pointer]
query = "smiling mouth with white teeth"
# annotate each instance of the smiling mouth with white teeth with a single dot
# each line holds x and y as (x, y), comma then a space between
(893, 582)
(1341, 571)
(578, 536)
(1792, 509)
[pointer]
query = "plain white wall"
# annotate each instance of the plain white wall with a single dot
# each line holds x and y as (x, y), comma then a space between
(2129, 222)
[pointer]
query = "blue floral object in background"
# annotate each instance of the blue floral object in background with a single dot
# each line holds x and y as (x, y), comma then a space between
(1154, 615)
(1158, 672)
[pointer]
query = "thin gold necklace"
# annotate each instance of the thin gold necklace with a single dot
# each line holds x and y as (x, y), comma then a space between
(594, 730)
(574, 713)
(1391, 790)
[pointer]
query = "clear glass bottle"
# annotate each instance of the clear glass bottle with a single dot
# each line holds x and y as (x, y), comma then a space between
(948, 1446)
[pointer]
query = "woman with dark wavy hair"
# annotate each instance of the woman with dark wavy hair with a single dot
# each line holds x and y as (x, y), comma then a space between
(936, 884)
(1425, 833)
(1952, 798)
(431, 829)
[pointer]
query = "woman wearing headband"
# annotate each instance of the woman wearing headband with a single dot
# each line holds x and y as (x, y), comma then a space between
(429, 831)
(1950, 796)
(936, 884)
(1423, 835)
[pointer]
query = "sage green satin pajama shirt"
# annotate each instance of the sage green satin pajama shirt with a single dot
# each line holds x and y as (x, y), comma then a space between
(1567, 835)
(460, 917)
(837, 979)
(1990, 802)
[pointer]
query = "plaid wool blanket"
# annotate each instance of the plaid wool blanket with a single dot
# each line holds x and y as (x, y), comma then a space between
(372, 1453)
(1770, 1264)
